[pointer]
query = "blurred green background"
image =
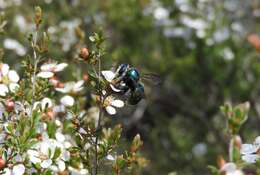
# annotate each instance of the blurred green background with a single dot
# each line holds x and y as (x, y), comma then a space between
(198, 47)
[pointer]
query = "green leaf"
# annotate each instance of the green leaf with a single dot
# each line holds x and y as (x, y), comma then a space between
(57, 153)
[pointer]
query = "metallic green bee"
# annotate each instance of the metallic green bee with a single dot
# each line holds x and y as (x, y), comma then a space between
(127, 79)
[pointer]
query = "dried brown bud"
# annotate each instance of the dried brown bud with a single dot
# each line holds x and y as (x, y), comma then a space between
(84, 53)
(39, 137)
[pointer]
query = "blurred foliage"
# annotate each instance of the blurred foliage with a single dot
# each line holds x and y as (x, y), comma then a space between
(198, 47)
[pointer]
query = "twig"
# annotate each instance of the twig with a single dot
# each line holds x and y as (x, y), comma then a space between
(99, 119)
(34, 42)
(231, 148)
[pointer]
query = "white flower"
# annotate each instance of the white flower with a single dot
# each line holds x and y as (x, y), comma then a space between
(3, 90)
(43, 153)
(71, 87)
(68, 37)
(48, 69)
(7, 171)
(15, 46)
(110, 102)
(8, 80)
(250, 152)
(44, 103)
(110, 76)
(18, 169)
(110, 157)
(161, 13)
(231, 169)
(67, 101)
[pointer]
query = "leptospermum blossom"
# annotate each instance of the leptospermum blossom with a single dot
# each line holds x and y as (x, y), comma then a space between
(44, 103)
(48, 70)
(109, 77)
(67, 101)
(231, 169)
(8, 80)
(70, 88)
(18, 169)
(110, 104)
(50, 153)
(251, 152)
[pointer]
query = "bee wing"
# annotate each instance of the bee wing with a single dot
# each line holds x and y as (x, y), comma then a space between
(152, 78)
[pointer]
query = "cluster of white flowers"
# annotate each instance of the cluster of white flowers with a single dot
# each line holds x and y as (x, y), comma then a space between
(111, 102)
(251, 152)
(49, 70)
(47, 153)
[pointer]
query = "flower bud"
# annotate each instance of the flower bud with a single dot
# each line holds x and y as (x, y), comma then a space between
(50, 114)
(9, 105)
(39, 137)
(85, 77)
(60, 85)
(54, 81)
(221, 161)
(84, 53)
(2, 163)
(254, 40)
(237, 141)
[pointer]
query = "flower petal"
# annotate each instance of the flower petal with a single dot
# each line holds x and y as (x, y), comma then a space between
(229, 167)
(13, 87)
(13, 76)
(115, 89)
(60, 67)
(33, 156)
(67, 100)
(110, 157)
(248, 149)
(18, 169)
(111, 110)
(4, 69)
(45, 74)
(46, 103)
(61, 165)
(46, 163)
(117, 103)
(257, 140)
(59, 137)
(78, 86)
(108, 75)
(48, 67)
(62, 90)
(250, 158)
(3, 90)
(7, 171)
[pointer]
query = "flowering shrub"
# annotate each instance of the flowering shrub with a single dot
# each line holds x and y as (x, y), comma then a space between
(243, 158)
(46, 127)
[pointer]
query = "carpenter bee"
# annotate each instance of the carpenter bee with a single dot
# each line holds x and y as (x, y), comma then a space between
(127, 79)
